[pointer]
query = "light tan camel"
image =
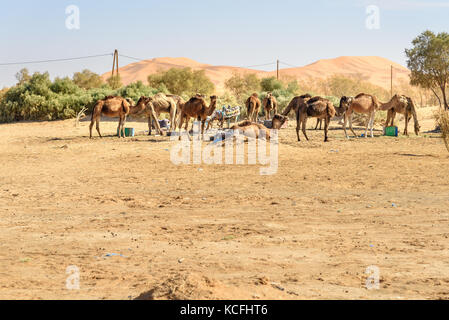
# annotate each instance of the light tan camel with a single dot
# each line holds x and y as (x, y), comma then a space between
(366, 104)
(111, 107)
(160, 103)
(196, 108)
(270, 103)
(407, 108)
(253, 107)
(258, 131)
(316, 107)
(144, 106)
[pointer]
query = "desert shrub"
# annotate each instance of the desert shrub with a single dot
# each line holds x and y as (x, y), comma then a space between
(87, 79)
(183, 81)
(442, 121)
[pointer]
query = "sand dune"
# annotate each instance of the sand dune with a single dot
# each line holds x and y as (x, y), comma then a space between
(375, 70)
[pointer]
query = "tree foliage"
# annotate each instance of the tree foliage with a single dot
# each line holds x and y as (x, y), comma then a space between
(428, 61)
(87, 79)
(183, 81)
(241, 85)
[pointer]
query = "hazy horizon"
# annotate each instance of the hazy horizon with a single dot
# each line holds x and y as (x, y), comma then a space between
(232, 33)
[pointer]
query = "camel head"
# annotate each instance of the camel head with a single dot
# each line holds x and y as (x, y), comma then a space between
(345, 102)
(278, 121)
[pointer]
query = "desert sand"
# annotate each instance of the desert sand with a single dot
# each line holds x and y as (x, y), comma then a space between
(138, 226)
(375, 69)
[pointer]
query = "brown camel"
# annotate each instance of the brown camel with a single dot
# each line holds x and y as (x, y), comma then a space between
(296, 103)
(111, 107)
(316, 107)
(253, 107)
(407, 108)
(340, 111)
(270, 103)
(144, 106)
(367, 104)
(197, 108)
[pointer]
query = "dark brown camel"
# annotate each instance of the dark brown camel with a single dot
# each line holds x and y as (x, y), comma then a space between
(111, 107)
(253, 107)
(270, 103)
(316, 107)
(197, 108)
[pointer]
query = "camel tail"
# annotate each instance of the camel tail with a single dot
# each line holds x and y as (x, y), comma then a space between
(411, 105)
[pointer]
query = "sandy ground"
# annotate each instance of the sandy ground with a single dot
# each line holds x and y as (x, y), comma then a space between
(221, 231)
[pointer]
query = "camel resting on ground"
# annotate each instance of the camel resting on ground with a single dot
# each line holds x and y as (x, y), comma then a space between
(407, 108)
(258, 131)
(270, 103)
(253, 107)
(111, 107)
(316, 107)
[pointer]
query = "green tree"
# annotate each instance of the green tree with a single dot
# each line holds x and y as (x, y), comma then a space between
(23, 76)
(428, 61)
(115, 82)
(271, 84)
(87, 79)
(241, 86)
(182, 81)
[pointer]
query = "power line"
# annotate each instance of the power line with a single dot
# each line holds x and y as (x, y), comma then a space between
(54, 60)
(260, 65)
(288, 64)
(132, 58)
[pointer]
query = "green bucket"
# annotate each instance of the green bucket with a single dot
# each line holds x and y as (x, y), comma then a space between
(129, 132)
(391, 131)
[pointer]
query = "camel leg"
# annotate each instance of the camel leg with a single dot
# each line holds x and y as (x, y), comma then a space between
(91, 126)
(304, 126)
(326, 128)
(123, 126)
(371, 123)
(298, 125)
(368, 122)
(350, 126)
(173, 119)
(98, 127)
(119, 127)
(407, 119)
(344, 125)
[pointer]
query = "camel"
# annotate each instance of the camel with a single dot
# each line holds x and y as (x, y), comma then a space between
(144, 106)
(111, 107)
(254, 130)
(197, 108)
(270, 103)
(253, 106)
(296, 103)
(316, 107)
(340, 111)
(161, 103)
(406, 108)
(367, 104)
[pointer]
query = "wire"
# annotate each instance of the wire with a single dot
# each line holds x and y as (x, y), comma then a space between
(54, 60)
(132, 58)
(288, 64)
(260, 65)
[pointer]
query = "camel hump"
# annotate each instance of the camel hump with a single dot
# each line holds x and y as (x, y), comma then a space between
(305, 96)
(315, 99)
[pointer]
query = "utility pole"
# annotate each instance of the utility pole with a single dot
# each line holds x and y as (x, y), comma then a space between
(391, 88)
(277, 73)
(115, 63)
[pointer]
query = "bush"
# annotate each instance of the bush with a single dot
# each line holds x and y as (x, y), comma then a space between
(182, 81)
(442, 120)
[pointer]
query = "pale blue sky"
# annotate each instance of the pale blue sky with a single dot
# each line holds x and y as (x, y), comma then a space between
(231, 32)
